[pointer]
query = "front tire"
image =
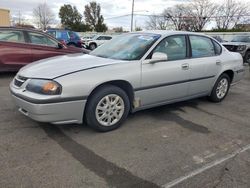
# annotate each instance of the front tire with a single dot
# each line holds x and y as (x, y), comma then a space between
(220, 88)
(107, 108)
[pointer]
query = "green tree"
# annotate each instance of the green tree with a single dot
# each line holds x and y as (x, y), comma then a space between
(72, 19)
(94, 18)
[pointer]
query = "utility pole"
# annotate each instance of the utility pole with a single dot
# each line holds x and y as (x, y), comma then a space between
(132, 16)
(19, 17)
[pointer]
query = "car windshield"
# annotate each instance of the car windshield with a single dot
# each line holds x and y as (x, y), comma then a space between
(126, 47)
(241, 39)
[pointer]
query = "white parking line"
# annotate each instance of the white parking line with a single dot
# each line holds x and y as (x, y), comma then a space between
(206, 167)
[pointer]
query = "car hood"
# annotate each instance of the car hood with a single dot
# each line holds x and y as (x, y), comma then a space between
(58, 66)
(235, 43)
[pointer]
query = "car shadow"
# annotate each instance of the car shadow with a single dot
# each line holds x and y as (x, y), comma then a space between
(7, 75)
(163, 113)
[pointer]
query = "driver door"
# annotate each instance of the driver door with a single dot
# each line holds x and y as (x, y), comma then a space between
(166, 80)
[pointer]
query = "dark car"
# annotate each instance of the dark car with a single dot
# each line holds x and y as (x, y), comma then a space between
(241, 44)
(68, 37)
(19, 46)
(218, 38)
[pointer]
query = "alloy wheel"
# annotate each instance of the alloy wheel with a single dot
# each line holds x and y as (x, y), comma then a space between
(222, 88)
(109, 110)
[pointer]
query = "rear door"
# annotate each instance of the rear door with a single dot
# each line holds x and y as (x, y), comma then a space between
(14, 53)
(204, 64)
(43, 46)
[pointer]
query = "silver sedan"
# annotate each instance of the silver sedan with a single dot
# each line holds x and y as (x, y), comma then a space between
(131, 72)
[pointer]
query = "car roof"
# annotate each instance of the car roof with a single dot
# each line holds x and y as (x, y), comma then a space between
(23, 28)
(64, 30)
(168, 32)
(29, 29)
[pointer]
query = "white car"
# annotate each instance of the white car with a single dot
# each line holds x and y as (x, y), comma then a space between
(96, 41)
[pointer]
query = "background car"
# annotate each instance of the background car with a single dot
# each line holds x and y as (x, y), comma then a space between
(240, 44)
(19, 46)
(68, 37)
(96, 41)
(218, 38)
(135, 71)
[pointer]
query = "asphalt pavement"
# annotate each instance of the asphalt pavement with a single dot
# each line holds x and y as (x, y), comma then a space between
(189, 144)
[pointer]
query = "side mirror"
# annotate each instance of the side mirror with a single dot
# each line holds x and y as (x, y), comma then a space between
(158, 57)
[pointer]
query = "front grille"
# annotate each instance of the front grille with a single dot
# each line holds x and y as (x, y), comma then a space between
(231, 48)
(19, 80)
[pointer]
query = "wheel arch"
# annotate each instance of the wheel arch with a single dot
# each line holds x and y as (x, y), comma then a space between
(123, 84)
(230, 73)
(93, 43)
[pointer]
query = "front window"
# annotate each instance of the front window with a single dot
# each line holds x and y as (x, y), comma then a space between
(39, 39)
(241, 39)
(174, 47)
(126, 47)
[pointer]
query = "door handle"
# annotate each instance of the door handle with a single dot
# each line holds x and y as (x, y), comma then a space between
(185, 66)
(218, 62)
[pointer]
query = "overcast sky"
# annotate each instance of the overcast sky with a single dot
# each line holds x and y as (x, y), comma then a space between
(109, 8)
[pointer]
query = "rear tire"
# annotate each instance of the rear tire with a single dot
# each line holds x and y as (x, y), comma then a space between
(107, 108)
(220, 88)
(247, 57)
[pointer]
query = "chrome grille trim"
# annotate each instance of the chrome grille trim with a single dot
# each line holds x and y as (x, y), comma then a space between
(19, 80)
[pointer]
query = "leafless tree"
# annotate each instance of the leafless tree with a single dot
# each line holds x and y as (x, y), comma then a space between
(230, 13)
(200, 13)
(43, 16)
(192, 16)
(157, 22)
(177, 16)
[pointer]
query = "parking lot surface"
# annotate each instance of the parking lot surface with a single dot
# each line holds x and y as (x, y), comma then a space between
(189, 144)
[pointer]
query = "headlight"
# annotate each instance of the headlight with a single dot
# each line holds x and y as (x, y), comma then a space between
(241, 48)
(46, 87)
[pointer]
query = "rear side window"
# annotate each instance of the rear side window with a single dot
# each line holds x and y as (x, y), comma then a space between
(201, 46)
(11, 36)
(39, 39)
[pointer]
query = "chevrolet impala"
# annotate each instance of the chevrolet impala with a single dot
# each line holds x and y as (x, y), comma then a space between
(132, 72)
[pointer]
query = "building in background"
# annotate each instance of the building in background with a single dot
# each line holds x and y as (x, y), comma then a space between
(4, 17)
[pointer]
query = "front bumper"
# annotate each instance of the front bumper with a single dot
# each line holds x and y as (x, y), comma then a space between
(55, 111)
